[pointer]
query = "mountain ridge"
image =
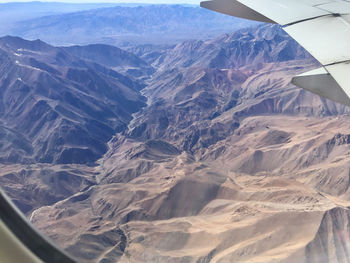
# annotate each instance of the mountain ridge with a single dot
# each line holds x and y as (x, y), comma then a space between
(42, 84)
(116, 25)
(227, 161)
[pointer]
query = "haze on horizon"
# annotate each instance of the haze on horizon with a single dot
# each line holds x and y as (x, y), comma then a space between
(113, 1)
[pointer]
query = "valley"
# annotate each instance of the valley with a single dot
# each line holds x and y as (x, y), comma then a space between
(200, 151)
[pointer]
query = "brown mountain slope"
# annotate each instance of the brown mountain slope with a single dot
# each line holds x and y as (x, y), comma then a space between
(62, 109)
(247, 47)
(181, 208)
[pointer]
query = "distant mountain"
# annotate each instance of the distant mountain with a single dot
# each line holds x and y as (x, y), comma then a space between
(13, 12)
(141, 24)
(59, 108)
(245, 47)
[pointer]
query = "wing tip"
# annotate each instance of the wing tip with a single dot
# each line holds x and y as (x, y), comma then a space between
(320, 82)
(235, 8)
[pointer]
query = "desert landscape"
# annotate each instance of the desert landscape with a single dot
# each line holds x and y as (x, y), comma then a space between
(196, 151)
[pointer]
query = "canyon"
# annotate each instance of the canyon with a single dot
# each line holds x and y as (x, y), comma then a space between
(200, 151)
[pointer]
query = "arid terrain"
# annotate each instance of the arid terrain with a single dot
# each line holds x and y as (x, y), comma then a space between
(198, 152)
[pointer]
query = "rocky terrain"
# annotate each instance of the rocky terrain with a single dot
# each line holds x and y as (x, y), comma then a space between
(225, 161)
(57, 108)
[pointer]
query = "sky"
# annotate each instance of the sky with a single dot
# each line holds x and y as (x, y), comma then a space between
(114, 1)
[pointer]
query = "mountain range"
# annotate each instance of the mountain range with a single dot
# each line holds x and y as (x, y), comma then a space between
(125, 25)
(57, 107)
(13, 12)
(200, 151)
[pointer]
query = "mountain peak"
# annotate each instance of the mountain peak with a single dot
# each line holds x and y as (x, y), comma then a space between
(17, 42)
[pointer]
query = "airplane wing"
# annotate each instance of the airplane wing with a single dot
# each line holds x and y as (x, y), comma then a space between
(322, 27)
